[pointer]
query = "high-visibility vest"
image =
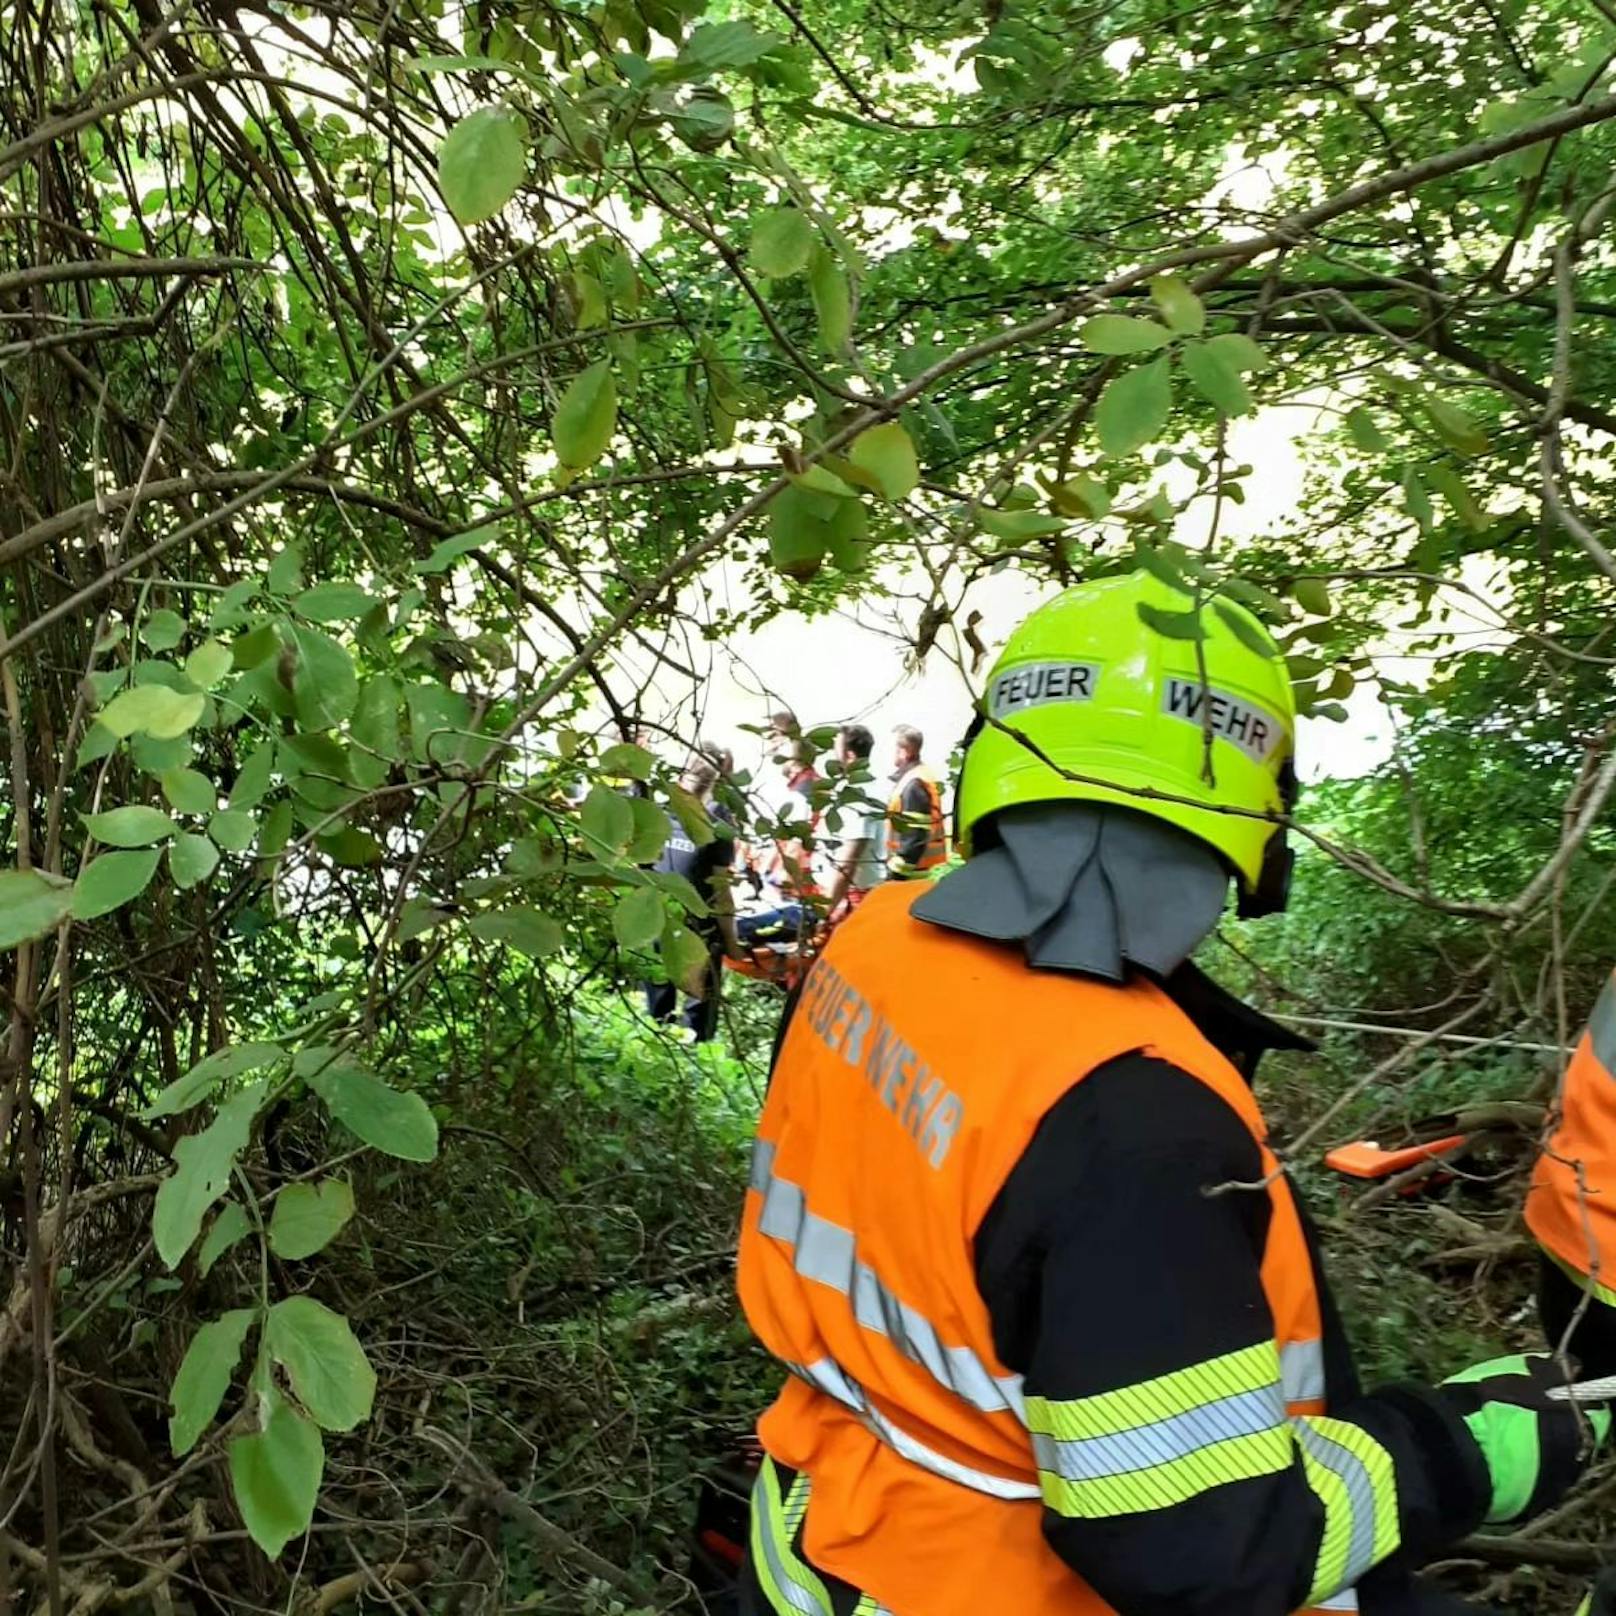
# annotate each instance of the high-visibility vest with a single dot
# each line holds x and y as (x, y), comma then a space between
(916, 1069)
(937, 835)
(1571, 1206)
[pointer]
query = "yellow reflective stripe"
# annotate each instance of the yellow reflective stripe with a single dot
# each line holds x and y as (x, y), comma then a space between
(790, 1586)
(1161, 1486)
(796, 1505)
(1354, 1477)
(1113, 1413)
(1583, 1282)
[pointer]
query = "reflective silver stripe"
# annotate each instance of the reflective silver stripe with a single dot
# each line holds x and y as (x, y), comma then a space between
(1347, 1599)
(1360, 1494)
(835, 1382)
(1602, 1027)
(764, 1522)
(1301, 1369)
(827, 1254)
(1097, 1458)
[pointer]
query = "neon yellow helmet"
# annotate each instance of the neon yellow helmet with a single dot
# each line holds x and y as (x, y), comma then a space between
(1104, 696)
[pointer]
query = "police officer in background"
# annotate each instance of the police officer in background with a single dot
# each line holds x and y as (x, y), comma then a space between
(1058, 1341)
(707, 869)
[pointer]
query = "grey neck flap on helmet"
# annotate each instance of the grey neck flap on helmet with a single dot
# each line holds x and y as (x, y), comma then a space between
(1086, 887)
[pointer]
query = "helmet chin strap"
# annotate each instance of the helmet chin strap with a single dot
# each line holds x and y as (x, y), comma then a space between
(1085, 887)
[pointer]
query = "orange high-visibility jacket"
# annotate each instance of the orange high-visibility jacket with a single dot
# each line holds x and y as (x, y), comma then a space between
(1571, 1206)
(937, 832)
(917, 1066)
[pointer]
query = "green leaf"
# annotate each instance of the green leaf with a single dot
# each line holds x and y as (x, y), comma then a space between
(1451, 486)
(276, 1476)
(586, 417)
(888, 454)
(1017, 525)
(782, 238)
(1241, 626)
(637, 919)
(1134, 407)
(204, 1377)
(208, 664)
(444, 555)
(188, 792)
(110, 881)
(286, 571)
(376, 730)
(832, 298)
(1418, 499)
(628, 760)
(691, 812)
(277, 831)
(651, 829)
(234, 1060)
(253, 779)
(1179, 305)
(684, 954)
(402, 1125)
(706, 119)
(158, 757)
(154, 710)
(674, 884)
(1313, 595)
(1365, 431)
(333, 603)
(32, 903)
(800, 530)
(133, 826)
(1122, 334)
(191, 860)
(1459, 430)
(1171, 625)
(716, 45)
(1238, 351)
(163, 630)
(529, 931)
(1082, 495)
(308, 1217)
(607, 820)
(98, 742)
(481, 163)
(233, 829)
(323, 1360)
(255, 647)
(1216, 378)
(226, 1231)
(202, 1165)
(324, 686)
(352, 848)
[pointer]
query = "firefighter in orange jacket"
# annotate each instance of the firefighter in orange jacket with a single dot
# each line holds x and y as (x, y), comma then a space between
(1057, 1339)
(917, 838)
(1571, 1205)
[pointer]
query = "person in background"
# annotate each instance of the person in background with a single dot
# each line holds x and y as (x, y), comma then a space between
(707, 869)
(1571, 1205)
(781, 865)
(855, 862)
(917, 839)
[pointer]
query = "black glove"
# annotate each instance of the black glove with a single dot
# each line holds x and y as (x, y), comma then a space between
(1535, 1447)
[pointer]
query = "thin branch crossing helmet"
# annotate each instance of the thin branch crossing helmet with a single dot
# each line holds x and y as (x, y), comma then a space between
(1090, 703)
